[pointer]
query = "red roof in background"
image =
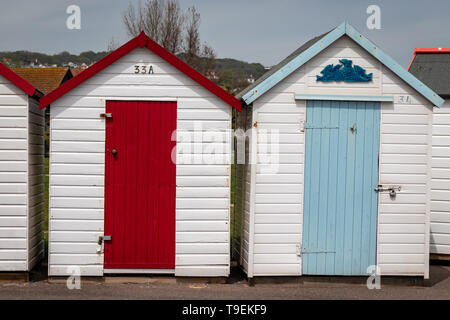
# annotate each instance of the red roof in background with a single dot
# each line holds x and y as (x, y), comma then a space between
(77, 71)
(420, 50)
(18, 81)
(44, 79)
(141, 41)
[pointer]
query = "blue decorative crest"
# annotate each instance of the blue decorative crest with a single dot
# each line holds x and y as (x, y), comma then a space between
(344, 72)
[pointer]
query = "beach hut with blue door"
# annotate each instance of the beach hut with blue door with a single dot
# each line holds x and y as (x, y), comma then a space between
(338, 157)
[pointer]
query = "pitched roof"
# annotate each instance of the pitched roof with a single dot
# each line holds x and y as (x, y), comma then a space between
(313, 47)
(141, 41)
(44, 79)
(77, 71)
(18, 81)
(432, 67)
(280, 65)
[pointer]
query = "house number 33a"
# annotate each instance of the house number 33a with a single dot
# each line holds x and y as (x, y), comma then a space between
(142, 69)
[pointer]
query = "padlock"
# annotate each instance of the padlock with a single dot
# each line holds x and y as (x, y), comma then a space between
(392, 193)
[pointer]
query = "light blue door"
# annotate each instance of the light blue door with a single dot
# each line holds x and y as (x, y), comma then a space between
(341, 173)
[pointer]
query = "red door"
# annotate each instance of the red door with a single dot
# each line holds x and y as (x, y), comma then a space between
(140, 185)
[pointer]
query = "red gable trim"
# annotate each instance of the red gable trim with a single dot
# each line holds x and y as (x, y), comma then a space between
(140, 41)
(17, 80)
(412, 60)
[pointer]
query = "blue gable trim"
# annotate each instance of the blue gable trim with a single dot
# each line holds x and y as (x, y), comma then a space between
(294, 64)
(394, 66)
(319, 46)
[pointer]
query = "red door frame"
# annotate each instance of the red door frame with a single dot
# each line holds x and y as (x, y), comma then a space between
(140, 194)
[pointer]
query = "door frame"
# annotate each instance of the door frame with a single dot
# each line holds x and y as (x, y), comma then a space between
(382, 99)
(103, 102)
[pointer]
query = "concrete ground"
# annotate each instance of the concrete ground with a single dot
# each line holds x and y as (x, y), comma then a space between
(236, 288)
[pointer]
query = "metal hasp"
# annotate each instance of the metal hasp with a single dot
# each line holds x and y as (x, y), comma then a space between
(392, 190)
(101, 239)
(106, 115)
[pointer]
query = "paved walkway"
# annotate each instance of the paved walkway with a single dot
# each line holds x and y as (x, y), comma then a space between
(169, 288)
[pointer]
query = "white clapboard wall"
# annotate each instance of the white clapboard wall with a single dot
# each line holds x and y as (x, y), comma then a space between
(21, 199)
(77, 168)
(440, 184)
(405, 159)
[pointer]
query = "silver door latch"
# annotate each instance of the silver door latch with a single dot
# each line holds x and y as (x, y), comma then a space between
(392, 190)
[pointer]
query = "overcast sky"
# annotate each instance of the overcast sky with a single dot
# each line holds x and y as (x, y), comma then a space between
(251, 30)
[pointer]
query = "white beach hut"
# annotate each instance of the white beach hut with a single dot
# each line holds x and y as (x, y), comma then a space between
(339, 172)
(118, 201)
(21, 174)
(432, 67)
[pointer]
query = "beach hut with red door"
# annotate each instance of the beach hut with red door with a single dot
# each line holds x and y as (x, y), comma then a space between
(140, 164)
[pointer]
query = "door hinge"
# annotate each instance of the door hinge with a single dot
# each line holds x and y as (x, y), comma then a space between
(305, 251)
(319, 126)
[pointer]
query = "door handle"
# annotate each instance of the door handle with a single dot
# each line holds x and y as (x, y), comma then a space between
(114, 152)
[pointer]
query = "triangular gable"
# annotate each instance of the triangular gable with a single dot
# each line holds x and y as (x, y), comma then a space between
(141, 41)
(344, 29)
(18, 81)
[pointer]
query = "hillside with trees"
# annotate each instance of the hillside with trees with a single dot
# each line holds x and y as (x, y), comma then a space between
(174, 28)
(36, 59)
(232, 74)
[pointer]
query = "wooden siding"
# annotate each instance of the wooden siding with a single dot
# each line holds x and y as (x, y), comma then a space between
(440, 183)
(402, 236)
(77, 168)
(13, 177)
(243, 189)
(36, 185)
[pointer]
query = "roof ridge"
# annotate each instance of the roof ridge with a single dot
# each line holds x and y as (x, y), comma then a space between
(285, 68)
(142, 40)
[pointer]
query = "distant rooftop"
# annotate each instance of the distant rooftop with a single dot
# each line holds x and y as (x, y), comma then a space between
(44, 79)
(432, 67)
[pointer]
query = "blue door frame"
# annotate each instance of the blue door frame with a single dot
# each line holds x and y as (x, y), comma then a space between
(341, 173)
